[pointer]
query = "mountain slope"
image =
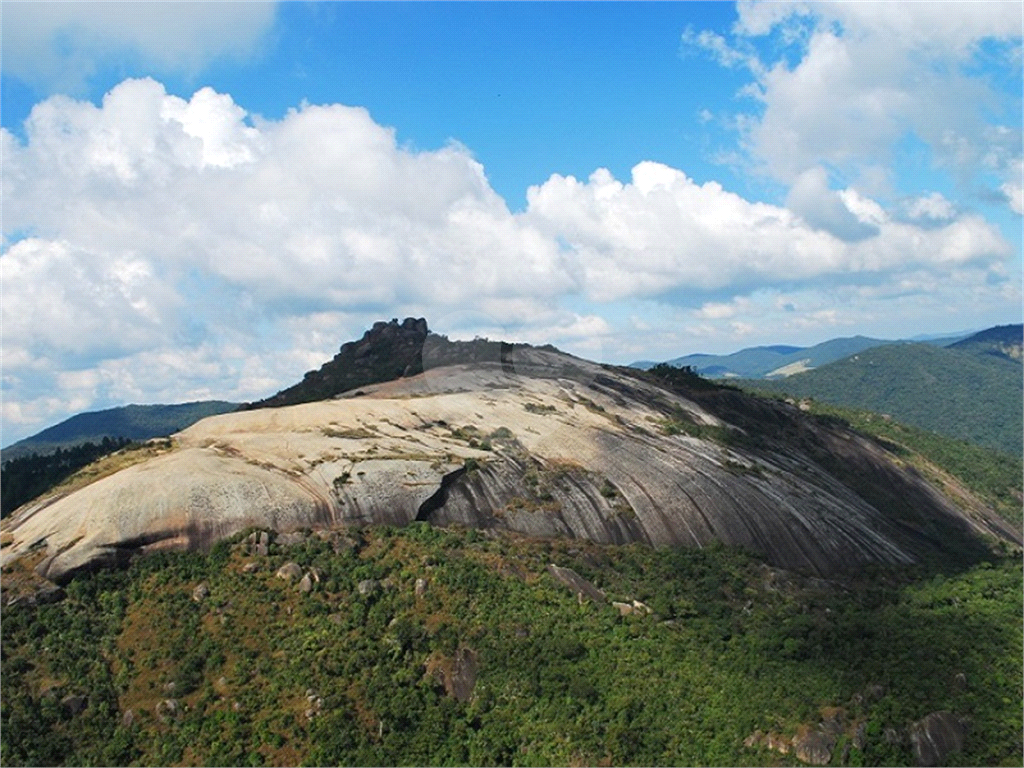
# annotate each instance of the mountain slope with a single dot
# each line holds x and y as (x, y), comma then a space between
(540, 443)
(1004, 341)
(422, 646)
(953, 391)
(757, 362)
(134, 422)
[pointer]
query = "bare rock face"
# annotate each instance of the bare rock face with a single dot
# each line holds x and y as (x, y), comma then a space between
(536, 442)
(937, 736)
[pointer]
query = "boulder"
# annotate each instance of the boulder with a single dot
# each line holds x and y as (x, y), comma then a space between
(936, 736)
(259, 543)
(421, 587)
(167, 709)
(368, 587)
(200, 593)
(814, 747)
(306, 584)
(289, 572)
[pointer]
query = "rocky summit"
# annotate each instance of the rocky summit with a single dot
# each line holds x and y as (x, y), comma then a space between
(514, 438)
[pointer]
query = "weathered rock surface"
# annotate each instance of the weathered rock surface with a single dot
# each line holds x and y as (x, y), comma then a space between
(937, 736)
(536, 442)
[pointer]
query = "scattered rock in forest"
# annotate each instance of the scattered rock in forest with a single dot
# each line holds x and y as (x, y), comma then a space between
(258, 543)
(457, 674)
(73, 704)
(860, 736)
(306, 584)
(251, 567)
(167, 709)
(421, 587)
(463, 676)
(814, 747)
(201, 592)
(584, 589)
(289, 572)
(49, 593)
(128, 718)
(936, 736)
(892, 736)
(368, 587)
(625, 609)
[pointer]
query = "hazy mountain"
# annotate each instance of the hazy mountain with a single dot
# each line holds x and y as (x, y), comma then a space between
(135, 422)
(971, 390)
(757, 362)
(780, 360)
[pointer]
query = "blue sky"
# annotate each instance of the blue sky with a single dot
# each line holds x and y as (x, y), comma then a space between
(206, 199)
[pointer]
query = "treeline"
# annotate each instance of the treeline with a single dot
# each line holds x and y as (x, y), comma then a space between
(200, 660)
(23, 479)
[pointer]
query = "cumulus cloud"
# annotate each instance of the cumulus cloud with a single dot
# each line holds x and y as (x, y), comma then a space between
(161, 248)
(811, 198)
(59, 45)
(663, 231)
(855, 79)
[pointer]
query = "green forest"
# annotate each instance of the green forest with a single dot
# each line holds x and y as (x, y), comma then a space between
(957, 392)
(423, 646)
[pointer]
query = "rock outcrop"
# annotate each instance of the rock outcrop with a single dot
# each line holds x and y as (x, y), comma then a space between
(533, 441)
(937, 736)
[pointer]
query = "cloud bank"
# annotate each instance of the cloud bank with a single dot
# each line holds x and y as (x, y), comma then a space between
(58, 46)
(158, 248)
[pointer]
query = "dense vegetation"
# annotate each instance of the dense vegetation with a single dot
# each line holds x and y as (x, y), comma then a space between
(24, 478)
(254, 671)
(132, 422)
(956, 392)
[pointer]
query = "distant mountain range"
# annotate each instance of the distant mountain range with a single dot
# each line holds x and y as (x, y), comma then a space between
(779, 360)
(135, 422)
(971, 389)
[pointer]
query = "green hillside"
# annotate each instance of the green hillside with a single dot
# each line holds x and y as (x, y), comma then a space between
(424, 646)
(133, 422)
(955, 392)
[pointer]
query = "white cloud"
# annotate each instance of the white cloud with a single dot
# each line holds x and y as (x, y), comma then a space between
(934, 206)
(177, 249)
(59, 45)
(1014, 197)
(664, 232)
(811, 198)
(867, 75)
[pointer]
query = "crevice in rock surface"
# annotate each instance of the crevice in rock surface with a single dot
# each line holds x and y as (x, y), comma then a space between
(439, 497)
